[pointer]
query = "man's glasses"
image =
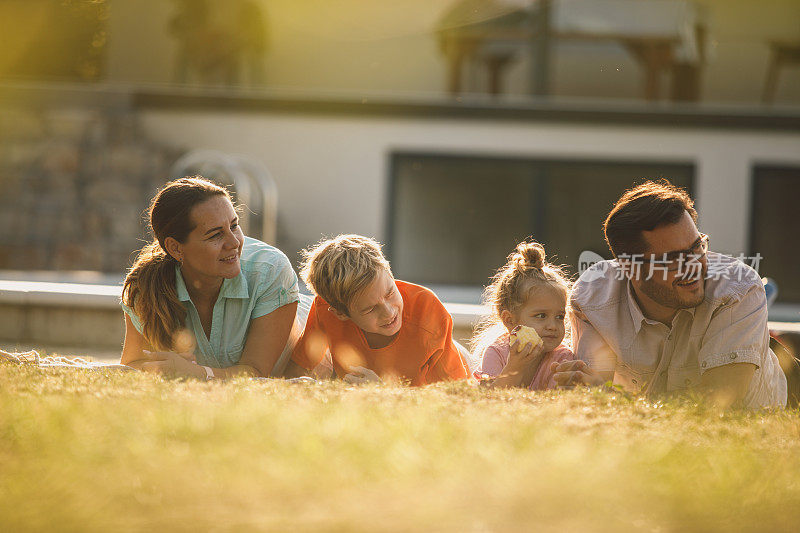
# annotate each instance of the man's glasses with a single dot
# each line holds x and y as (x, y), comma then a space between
(675, 260)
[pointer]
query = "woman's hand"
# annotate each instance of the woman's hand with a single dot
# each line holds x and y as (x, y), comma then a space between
(359, 375)
(171, 364)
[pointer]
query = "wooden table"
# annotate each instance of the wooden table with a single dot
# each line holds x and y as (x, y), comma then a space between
(781, 54)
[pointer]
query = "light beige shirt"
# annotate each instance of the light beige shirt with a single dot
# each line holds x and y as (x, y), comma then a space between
(730, 326)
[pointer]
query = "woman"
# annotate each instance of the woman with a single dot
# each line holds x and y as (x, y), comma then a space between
(203, 300)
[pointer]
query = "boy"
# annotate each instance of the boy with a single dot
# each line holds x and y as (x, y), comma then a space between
(374, 326)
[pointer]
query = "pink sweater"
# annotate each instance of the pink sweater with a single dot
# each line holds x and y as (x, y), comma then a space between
(496, 355)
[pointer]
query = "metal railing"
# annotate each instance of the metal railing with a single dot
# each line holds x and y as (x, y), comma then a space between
(255, 189)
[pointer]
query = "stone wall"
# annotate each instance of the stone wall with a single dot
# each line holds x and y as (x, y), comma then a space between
(74, 186)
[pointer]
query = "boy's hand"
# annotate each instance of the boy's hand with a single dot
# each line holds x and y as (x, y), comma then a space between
(359, 375)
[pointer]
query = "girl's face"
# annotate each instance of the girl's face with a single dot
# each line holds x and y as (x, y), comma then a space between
(544, 311)
(213, 248)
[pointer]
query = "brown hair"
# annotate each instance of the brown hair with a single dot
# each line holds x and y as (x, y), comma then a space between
(644, 208)
(338, 269)
(149, 288)
(525, 268)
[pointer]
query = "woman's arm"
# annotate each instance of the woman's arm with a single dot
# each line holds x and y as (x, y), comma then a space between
(136, 355)
(133, 346)
(266, 340)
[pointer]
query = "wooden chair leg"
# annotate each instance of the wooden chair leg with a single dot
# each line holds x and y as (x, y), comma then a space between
(771, 82)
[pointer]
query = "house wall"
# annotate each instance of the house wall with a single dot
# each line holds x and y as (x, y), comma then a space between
(332, 172)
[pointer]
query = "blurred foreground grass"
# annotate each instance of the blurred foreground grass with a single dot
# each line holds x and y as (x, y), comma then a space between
(84, 451)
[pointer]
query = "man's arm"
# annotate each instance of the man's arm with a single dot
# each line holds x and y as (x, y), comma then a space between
(590, 347)
(735, 344)
(728, 384)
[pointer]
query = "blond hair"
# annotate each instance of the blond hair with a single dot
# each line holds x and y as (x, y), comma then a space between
(149, 288)
(526, 268)
(338, 269)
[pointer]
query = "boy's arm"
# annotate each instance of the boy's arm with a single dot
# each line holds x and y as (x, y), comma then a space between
(293, 370)
(311, 346)
(445, 362)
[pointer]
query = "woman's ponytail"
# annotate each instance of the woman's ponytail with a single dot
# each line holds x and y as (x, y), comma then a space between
(149, 290)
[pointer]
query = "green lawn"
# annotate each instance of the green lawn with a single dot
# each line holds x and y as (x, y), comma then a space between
(83, 451)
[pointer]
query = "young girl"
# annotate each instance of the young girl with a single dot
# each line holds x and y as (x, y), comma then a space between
(527, 291)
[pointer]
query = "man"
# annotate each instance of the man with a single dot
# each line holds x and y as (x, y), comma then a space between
(667, 315)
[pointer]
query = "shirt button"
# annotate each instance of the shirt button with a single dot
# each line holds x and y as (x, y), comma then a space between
(733, 356)
(704, 364)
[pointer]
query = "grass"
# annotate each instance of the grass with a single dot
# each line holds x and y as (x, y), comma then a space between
(84, 451)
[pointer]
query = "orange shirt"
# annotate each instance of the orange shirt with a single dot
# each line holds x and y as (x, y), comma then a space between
(422, 352)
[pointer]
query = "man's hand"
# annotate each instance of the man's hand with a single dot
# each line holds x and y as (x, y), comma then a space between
(359, 375)
(571, 373)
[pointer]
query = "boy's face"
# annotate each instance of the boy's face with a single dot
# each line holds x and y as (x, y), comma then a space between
(379, 307)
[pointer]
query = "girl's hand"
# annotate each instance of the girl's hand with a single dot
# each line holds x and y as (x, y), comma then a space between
(523, 363)
(521, 356)
(359, 375)
(172, 364)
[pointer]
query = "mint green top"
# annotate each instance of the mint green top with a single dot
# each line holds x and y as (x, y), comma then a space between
(266, 282)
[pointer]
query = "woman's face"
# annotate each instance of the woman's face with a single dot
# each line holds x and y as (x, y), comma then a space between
(213, 248)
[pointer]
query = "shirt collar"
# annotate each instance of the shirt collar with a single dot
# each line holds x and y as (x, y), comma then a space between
(231, 288)
(637, 315)
(180, 285)
(235, 287)
(633, 305)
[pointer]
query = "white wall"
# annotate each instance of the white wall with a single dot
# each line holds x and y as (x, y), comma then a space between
(332, 173)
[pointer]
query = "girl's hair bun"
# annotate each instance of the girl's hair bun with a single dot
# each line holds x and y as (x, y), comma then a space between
(529, 255)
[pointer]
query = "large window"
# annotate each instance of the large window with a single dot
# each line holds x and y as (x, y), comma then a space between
(454, 219)
(774, 235)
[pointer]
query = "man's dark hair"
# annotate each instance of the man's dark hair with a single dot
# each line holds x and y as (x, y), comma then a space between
(644, 208)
